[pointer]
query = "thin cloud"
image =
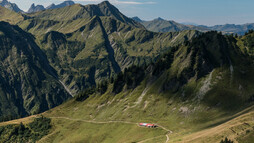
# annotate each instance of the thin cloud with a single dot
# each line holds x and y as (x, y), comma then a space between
(119, 2)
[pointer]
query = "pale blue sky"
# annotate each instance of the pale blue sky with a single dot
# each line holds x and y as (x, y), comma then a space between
(206, 12)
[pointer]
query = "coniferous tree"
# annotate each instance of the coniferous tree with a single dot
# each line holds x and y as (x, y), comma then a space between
(226, 140)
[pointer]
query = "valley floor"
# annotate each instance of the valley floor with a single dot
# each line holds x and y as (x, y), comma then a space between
(70, 129)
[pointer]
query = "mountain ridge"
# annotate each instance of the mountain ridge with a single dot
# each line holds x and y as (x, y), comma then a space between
(10, 6)
(61, 5)
(10, 16)
(85, 45)
(38, 8)
(161, 25)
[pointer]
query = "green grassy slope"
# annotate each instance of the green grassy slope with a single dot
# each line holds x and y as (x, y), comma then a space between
(100, 132)
(246, 43)
(210, 86)
(10, 16)
(161, 25)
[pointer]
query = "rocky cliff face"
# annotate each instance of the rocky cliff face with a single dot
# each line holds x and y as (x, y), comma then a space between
(36, 8)
(28, 83)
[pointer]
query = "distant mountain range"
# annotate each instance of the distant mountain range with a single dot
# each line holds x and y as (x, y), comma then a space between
(189, 23)
(37, 8)
(10, 6)
(156, 25)
(34, 8)
(161, 25)
(232, 28)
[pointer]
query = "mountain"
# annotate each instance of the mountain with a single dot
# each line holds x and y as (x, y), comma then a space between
(195, 87)
(10, 6)
(246, 43)
(120, 42)
(189, 23)
(61, 5)
(10, 16)
(77, 12)
(137, 19)
(232, 28)
(36, 8)
(25, 74)
(81, 46)
(198, 91)
(202, 86)
(161, 25)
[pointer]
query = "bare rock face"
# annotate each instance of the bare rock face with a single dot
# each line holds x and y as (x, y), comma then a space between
(36, 8)
(25, 75)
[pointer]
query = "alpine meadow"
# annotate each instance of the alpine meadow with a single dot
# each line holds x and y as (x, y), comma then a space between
(87, 73)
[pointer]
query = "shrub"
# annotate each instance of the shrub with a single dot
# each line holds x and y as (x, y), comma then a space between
(85, 94)
(25, 133)
(131, 77)
(226, 140)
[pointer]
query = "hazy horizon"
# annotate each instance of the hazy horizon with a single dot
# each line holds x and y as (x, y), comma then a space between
(201, 12)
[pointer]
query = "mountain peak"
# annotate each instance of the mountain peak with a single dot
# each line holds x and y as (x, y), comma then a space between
(68, 2)
(137, 19)
(61, 5)
(105, 3)
(50, 6)
(10, 6)
(36, 8)
(160, 19)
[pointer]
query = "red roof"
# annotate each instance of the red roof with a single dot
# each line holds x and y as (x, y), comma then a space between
(146, 124)
(150, 125)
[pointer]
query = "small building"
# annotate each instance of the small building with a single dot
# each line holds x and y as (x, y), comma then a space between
(147, 125)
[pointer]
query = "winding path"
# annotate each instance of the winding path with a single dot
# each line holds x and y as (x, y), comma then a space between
(109, 122)
(167, 138)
